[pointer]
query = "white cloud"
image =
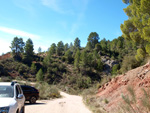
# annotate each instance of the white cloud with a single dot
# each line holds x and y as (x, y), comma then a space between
(53, 4)
(4, 46)
(60, 6)
(19, 33)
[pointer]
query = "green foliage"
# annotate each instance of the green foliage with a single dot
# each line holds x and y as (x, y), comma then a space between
(98, 47)
(115, 68)
(103, 44)
(29, 54)
(148, 48)
(84, 59)
(52, 49)
(140, 55)
(71, 46)
(68, 56)
(77, 81)
(5, 79)
(66, 47)
(22, 68)
(99, 65)
(92, 40)
(47, 91)
(77, 43)
(60, 48)
(128, 1)
(83, 82)
(77, 59)
(33, 68)
(128, 63)
(137, 27)
(29, 47)
(48, 58)
(106, 101)
(17, 47)
(39, 75)
(89, 46)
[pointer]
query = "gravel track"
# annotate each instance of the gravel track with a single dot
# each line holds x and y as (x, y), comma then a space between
(67, 104)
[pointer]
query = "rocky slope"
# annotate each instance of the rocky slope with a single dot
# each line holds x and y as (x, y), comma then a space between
(113, 90)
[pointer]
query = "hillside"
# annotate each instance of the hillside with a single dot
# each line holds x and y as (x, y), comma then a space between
(5, 56)
(128, 84)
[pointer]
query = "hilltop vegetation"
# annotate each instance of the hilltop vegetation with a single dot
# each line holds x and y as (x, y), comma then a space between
(71, 66)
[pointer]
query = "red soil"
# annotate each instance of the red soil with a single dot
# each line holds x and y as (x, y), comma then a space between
(137, 79)
(5, 56)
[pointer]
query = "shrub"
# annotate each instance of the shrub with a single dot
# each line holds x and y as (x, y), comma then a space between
(5, 79)
(47, 91)
(92, 101)
(39, 75)
(129, 62)
(131, 102)
(115, 69)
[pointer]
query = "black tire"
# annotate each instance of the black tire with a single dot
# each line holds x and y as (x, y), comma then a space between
(17, 111)
(23, 109)
(32, 100)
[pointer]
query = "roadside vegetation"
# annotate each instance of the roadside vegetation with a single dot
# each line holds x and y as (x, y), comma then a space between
(47, 91)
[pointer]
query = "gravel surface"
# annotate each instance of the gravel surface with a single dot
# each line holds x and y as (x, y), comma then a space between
(67, 104)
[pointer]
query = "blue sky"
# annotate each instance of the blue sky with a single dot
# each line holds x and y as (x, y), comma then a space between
(51, 21)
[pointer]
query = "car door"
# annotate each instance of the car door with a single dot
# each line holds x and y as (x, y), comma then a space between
(23, 99)
(27, 92)
(19, 101)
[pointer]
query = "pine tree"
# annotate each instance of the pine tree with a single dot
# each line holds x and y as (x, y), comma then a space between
(77, 43)
(137, 27)
(66, 47)
(68, 56)
(99, 65)
(29, 54)
(17, 47)
(33, 68)
(84, 59)
(60, 48)
(93, 39)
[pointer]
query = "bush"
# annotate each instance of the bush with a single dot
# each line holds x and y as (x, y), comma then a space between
(83, 82)
(5, 79)
(92, 101)
(47, 91)
(39, 75)
(129, 62)
(115, 69)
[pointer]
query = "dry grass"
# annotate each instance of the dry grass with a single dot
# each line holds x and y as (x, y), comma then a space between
(133, 104)
(92, 101)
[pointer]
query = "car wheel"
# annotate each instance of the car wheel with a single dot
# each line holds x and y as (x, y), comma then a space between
(17, 111)
(32, 100)
(23, 110)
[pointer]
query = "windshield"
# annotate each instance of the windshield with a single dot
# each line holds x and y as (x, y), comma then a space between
(6, 91)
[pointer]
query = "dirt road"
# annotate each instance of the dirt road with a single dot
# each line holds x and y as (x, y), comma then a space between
(67, 104)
